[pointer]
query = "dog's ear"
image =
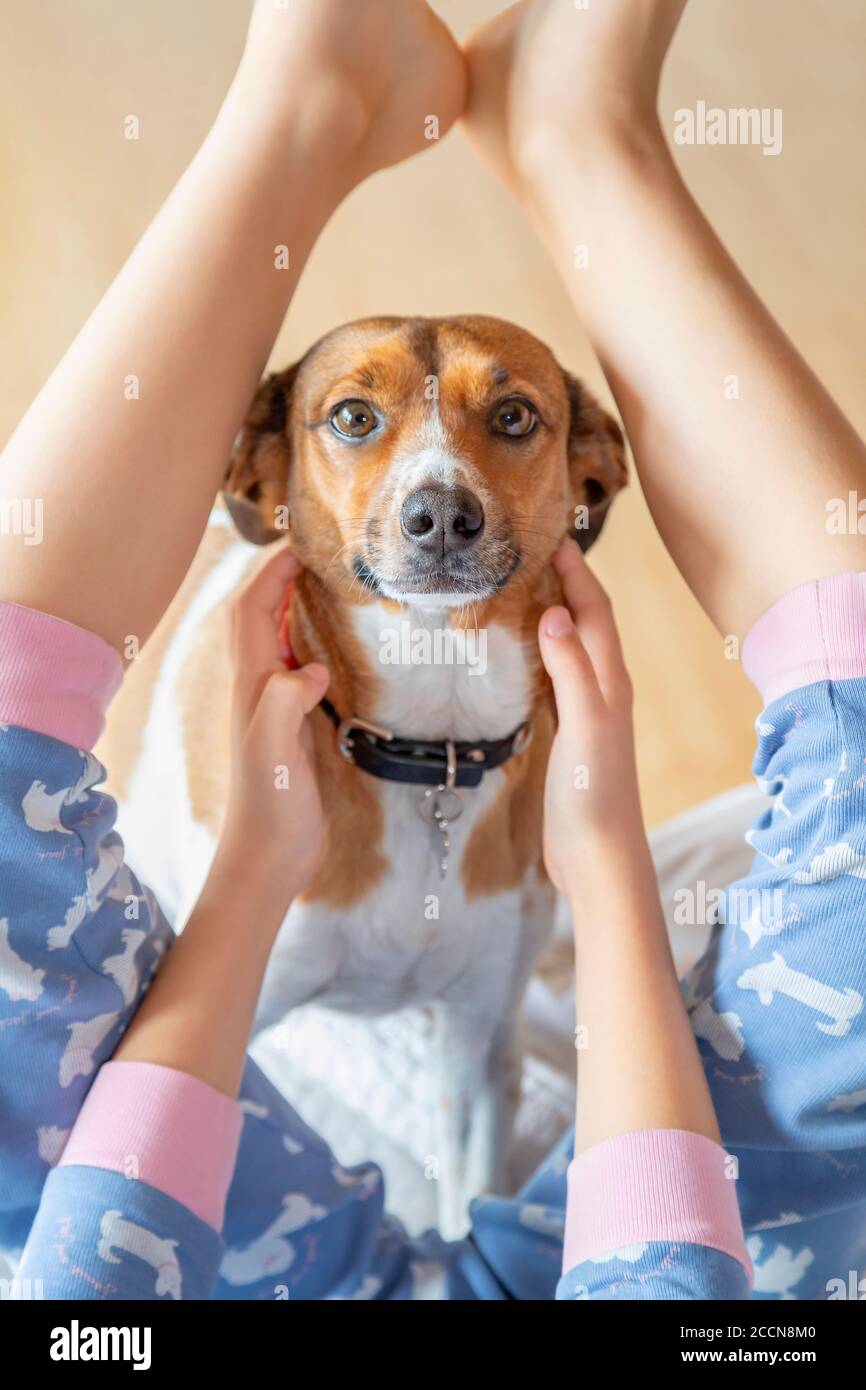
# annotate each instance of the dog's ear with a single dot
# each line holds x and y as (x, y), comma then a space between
(596, 462)
(256, 482)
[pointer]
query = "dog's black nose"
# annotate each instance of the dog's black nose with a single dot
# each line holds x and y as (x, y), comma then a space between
(440, 519)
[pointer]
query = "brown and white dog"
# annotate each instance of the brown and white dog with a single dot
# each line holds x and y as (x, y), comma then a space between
(424, 471)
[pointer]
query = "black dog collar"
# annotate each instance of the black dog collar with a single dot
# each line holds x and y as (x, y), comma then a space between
(418, 761)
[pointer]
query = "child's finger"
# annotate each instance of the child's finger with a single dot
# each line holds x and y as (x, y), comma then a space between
(254, 609)
(257, 650)
(254, 623)
(593, 617)
(566, 661)
(287, 698)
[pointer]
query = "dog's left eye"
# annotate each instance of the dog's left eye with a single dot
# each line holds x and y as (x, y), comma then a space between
(353, 419)
(515, 417)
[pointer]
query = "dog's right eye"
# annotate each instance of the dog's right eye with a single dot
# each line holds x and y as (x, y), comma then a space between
(353, 419)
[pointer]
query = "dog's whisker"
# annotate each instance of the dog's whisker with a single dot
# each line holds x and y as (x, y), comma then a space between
(335, 557)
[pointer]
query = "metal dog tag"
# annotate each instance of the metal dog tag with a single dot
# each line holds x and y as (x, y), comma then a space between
(438, 804)
(441, 805)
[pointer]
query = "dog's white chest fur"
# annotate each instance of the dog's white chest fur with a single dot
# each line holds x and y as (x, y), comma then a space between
(472, 688)
(415, 938)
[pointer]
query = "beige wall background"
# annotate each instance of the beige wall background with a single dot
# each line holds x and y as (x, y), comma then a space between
(439, 236)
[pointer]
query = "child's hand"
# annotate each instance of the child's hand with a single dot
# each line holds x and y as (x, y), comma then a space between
(548, 77)
(272, 834)
(591, 800)
(376, 69)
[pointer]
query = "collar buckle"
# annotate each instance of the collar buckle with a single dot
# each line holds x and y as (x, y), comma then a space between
(450, 767)
(522, 739)
(346, 743)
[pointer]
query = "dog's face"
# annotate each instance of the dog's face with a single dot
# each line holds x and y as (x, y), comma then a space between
(429, 461)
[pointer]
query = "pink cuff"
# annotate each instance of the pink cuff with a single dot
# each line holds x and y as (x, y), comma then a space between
(655, 1184)
(817, 632)
(55, 678)
(161, 1127)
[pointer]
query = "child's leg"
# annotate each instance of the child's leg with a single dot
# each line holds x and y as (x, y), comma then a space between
(738, 445)
(127, 444)
(739, 449)
(778, 1002)
(79, 941)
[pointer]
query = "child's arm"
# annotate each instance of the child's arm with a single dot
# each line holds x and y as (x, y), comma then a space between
(127, 443)
(641, 1069)
(198, 1014)
(648, 1167)
(563, 106)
